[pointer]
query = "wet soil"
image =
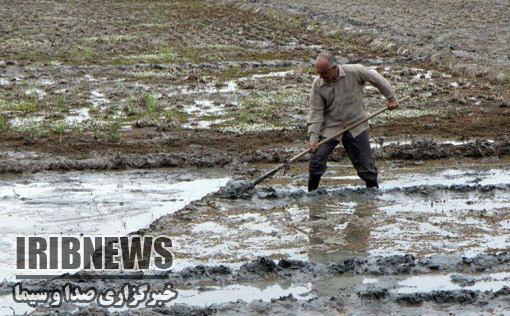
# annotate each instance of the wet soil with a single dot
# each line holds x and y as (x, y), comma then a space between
(239, 157)
(466, 36)
(238, 90)
(434, 237)
(335, 288)
(194, 85)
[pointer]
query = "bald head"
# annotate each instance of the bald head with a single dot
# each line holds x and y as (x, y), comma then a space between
(326, 66)
(326, 60)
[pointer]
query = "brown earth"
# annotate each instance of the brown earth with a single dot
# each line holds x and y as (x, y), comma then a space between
(179, 38)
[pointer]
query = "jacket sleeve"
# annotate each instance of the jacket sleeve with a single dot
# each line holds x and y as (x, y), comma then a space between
(316, 104)
(377, 80)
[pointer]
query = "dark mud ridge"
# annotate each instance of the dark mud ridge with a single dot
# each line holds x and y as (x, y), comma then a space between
(264, 269)
(440, 296)
(116, 161)
(204, 157)
(424, 150)
(247, 192)
(416, 150)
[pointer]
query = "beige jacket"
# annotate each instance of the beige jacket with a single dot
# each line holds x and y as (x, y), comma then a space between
(339, 104)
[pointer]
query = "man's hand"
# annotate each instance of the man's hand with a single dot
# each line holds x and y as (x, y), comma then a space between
(313, 145)
(393, 104)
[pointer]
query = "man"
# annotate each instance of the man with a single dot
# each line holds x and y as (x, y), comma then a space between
(336, 101)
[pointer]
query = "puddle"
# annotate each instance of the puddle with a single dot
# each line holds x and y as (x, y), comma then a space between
(210, 88)
(25, 122)
(89, 78)
(19, 154)
(384, 143)
(203, 124)
(204, 107)
(97, 98)
(103, 203)
(250, 128)
(203, 296)
(450, 177)
(246, 293)
(272, 74)
(427, 283)
(46, 82)
(39, 93)
(77, 116)
(369, 280)
(426, 75)
(9, 307)
(505, 224)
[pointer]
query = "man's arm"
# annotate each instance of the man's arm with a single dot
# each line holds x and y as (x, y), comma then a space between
(316, 116)
(378, 81)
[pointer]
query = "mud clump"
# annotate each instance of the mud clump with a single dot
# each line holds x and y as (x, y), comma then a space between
(200, 272)
(463, 280)
(505, 290)
(237, 189)
(267, 193)
(441, 262)
(454, 296)
(291, 264)
(260, 265)
(375, 293)
(483, 262)
(395, 264)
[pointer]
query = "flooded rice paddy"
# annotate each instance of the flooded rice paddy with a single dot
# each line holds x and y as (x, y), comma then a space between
(430, 210)
(419, 211)
(97, 203)
(220, 89)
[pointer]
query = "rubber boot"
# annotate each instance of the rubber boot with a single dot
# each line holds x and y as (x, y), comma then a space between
(372, 184)
(313, 181)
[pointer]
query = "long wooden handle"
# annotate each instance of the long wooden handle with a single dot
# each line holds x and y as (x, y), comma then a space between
(301, 154)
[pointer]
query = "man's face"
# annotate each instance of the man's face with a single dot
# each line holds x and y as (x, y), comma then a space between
(327, 72)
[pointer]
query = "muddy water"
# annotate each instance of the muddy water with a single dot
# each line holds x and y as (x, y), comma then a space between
(418, 210)
(428, 283)
(248, 293)
(204, 296)
(106, 203)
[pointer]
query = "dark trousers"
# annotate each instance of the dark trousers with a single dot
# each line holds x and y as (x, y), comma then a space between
(357, 148)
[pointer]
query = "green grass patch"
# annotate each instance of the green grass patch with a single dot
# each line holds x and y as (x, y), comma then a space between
(400, 114)
(4, 123)
(173, 115)
(84, 54)
(27, 106)
(232, 72)
(275, 107)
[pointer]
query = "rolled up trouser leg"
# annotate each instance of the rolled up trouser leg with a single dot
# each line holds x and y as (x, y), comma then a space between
(359, 151)
(318, 163)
